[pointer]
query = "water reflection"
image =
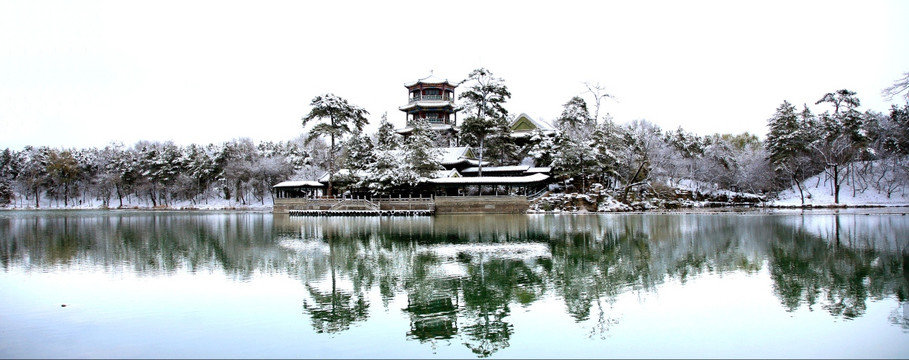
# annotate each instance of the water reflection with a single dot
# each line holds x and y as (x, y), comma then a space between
(462, 276)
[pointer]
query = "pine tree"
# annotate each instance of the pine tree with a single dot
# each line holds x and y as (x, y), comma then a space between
(341, 119)
(788, 140)
(484, 103)
(386, 137)
(607, 142)
(500, 145)
(575, 118)
(359, 152)
(844, 136)
(783, 140)
(422, 157)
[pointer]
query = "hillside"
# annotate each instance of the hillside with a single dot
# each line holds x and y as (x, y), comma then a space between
(853, 192)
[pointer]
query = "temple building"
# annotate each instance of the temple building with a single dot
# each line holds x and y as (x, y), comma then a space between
(461, 185)
(433, 99)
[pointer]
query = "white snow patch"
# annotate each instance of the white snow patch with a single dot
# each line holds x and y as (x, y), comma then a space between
(818, 191)
(520, 251)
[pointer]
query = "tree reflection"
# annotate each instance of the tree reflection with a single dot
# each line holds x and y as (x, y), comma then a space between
(463, 276)
(811, 267)
(334, 311)
(487, 294)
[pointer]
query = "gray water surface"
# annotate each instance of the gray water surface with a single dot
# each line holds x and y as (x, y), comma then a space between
(210, 284)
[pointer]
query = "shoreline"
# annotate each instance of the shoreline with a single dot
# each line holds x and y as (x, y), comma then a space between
(695, 210)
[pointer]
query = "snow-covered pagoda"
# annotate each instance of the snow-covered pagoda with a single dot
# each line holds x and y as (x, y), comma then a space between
(433, 99)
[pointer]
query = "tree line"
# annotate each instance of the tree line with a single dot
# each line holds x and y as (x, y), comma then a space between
(152, 173)
(587, 150)
(867, 148)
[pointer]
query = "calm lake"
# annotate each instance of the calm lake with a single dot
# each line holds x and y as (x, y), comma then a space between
(819, 284)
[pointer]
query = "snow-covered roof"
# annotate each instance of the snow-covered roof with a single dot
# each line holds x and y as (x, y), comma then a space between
(435, 127)
(539, 170)
(441, 174)
(511, 168)
(431, 79)
(427, 104)
(539, 124)
(340, 172)
(520, 134)
(475, 162)
(482, 180)
(454, 155)
(298, 183)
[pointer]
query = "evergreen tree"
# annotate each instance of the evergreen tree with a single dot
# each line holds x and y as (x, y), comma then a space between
(541, 147)
(607, 142)
(787, 143)
(9, 170)
(898, 136)
(386, 137)
(359, 153)
(573, 158)
(784, 140)
(422, 157)
(341, 119)
(842, 137)
(500, 145)
(484, 103)
(34, 175)
(575, 118)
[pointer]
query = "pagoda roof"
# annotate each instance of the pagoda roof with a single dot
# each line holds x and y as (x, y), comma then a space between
(428, 104)
(431, 79)
(433, 127)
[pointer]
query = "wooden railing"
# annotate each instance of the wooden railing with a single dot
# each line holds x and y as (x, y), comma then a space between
(430, 98)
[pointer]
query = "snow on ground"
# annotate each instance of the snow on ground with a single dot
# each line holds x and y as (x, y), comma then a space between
(818, 192)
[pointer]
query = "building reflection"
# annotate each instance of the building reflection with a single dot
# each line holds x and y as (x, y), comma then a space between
(462, 275)
(433, 318)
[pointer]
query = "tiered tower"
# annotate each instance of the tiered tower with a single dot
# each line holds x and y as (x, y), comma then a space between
(433, 99)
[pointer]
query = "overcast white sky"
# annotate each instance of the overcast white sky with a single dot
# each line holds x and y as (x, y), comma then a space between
(85, 73)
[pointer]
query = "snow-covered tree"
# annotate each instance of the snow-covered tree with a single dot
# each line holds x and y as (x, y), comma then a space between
(386, 137)
(9, 170)
(575, 118)
(500, 145)
(34, 176)
(340, 118)
(607, 141)
(540, 147)
(484, 102)
(598, 92)
(422, 158)
(359, 153)
(894, 131)
(486, 96)
(387, 172)
(644, 154)
(573, 158)
(843, 136)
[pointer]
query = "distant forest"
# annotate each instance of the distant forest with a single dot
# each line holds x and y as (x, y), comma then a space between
(840, 141)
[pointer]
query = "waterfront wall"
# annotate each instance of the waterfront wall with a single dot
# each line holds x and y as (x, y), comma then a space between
(481, 204)
(441, 204)
(283, 206)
